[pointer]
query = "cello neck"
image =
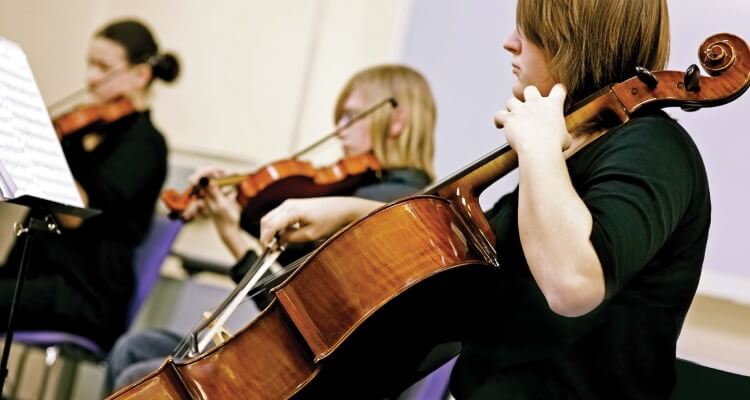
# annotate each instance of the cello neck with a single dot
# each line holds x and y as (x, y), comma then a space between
(725, 57)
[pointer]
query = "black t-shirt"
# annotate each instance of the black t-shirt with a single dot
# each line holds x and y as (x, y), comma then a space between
(122, 176)
(646, 188)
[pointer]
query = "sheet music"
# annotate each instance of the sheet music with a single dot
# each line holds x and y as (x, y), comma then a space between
(30, 152)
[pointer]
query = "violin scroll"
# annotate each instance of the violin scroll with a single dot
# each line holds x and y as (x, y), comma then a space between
(717, 54)
(724, 57)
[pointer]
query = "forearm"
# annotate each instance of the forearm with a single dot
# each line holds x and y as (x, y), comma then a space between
(305, 220)
(361, 207)
(237, 242)
(555, 227)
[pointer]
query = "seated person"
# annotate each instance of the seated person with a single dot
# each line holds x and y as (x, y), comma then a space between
(82, 280)
(401, 139)
(600, 253)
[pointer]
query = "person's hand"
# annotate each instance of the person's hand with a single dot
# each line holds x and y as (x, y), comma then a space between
(536, 124)
(305, 220)
(221, 207)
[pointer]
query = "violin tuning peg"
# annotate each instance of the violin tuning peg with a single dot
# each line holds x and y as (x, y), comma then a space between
(692, 79)
(646, 77)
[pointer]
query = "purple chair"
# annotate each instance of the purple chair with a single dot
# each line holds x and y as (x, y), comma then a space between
(435, 385)
(147, 262)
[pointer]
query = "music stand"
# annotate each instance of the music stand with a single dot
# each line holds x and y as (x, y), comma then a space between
(36, 226)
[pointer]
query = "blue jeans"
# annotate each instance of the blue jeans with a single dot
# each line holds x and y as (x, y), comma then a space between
(136, 355)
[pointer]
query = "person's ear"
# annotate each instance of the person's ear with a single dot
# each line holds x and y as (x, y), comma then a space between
(142, 74)
(399, 122)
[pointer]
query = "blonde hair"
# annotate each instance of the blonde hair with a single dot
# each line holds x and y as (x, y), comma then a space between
(592, 43)
(414, 147)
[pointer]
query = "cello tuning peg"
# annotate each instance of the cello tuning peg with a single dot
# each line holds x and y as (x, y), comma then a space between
(692, 79)
(646, 77)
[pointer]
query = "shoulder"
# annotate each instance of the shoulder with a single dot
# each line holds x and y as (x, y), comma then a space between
(645, 142)
(147, 131)
(138, 139)
(656, 129)
(394, 184)
(144, 138)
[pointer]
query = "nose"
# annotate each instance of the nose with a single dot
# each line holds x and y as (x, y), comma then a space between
(512, 42)
(341, 133)
(93, 75)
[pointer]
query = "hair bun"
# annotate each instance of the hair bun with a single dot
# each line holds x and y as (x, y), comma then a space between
(166, 67)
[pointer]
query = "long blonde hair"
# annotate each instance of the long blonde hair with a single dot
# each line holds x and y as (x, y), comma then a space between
(415, 146)
(592, 43)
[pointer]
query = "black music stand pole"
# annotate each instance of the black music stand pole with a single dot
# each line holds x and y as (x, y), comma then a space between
(35, 227)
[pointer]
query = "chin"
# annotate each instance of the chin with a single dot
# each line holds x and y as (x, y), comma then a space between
(99, 99)
(518, 91)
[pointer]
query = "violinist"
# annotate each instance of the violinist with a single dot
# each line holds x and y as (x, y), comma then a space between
(600, 255)
(401, 138)
(81, 281)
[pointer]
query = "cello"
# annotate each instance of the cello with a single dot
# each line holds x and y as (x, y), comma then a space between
(408, 253)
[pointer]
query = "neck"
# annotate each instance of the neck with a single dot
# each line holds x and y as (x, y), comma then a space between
(139, 100)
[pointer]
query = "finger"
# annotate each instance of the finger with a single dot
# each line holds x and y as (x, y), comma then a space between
(500, 118)
(513, 103)
(213, 192)
(558, 93)
(274, 221)
(299, 234)
(191, 210)
(194, 212)
(211, 204)
(531, 93)
(207, 172)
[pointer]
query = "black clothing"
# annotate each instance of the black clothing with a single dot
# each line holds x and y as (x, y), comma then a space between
(394, 184)
(647, 191)
(82, 281)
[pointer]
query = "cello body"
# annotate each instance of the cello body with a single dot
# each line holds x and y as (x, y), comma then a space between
(284, 352)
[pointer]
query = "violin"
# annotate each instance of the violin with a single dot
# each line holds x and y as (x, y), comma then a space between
(85, 118)
(375, 292)
(262, 190)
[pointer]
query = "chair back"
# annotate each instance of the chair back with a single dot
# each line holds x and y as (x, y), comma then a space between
(435, 385)
(148, 258)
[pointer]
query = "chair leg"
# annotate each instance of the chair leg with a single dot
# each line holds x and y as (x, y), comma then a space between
(18, 376)
(65, 380)
(50, 358)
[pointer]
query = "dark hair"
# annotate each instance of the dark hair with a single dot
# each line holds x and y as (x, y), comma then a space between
(140, 47)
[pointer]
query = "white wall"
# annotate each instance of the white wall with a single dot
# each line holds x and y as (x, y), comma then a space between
(259, 77)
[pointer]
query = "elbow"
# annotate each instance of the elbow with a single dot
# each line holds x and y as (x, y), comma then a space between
(575, 298)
